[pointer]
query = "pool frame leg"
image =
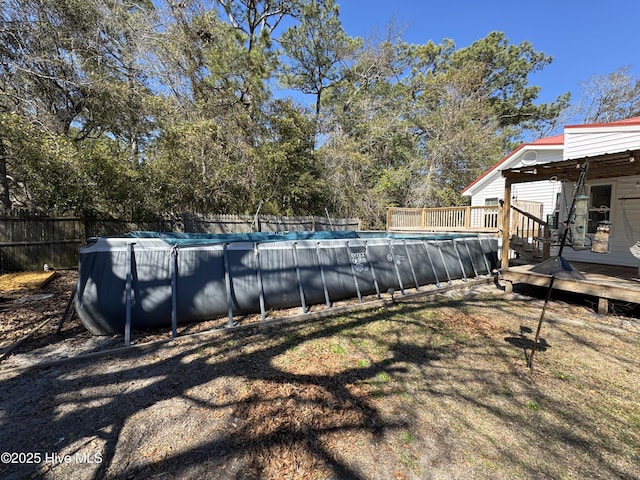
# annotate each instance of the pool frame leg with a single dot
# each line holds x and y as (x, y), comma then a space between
(174, 292)
(433, 268)
(263, 313)
(473, 265)
(227, 282)
(127, 321)
(413, 272)
(444, 263)
(353, 271)
(373, 271)
(303, 304)
(455, 248)
(395, 265)
(322, 276)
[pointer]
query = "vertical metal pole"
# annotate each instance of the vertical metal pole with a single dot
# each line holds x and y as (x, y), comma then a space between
(227, 281)
(582, 178)
(174, 292)
(464, 274)
(413, 272)
(373, 270)
(67, 308)
(446, 269)
(324, 280)
(127, 323)
(353, 271)
(303, 304)
(544, 308)
(433, 268)
(259, 274)
(395, 265)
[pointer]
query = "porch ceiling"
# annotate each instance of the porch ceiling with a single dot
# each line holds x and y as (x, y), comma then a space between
(622, 164)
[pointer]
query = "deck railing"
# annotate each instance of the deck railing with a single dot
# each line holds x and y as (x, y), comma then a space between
(445, 219)
(530, 236)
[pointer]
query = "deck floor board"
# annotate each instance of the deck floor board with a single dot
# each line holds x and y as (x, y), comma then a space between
(606, 282)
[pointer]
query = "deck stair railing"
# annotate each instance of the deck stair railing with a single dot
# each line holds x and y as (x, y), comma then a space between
(530, 236)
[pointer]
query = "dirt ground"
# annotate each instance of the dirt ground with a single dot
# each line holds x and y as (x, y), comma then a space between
(433, 388)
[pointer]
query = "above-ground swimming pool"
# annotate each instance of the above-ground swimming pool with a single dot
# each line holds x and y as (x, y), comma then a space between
(147, 280)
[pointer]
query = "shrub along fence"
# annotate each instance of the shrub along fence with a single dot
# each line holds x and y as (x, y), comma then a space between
(28, 242)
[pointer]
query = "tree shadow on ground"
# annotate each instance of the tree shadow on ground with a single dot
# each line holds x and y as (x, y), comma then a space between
(239, 434)
(230, 408)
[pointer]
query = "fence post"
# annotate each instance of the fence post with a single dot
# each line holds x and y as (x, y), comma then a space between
(467, 217)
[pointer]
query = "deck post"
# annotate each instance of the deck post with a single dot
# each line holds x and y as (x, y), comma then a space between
(506, 225)
(603, 306)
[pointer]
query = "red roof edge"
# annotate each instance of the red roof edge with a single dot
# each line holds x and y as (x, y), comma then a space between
(626, 121)
(553, 140)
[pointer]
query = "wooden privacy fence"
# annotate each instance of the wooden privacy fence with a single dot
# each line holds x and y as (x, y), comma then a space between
(30, 242)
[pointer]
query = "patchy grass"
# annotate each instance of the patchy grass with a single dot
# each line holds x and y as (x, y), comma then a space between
(430, 389)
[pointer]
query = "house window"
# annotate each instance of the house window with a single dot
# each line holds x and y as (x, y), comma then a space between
(491, 215)
(599, 205)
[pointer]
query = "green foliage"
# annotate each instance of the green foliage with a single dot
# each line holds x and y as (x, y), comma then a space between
(315, 48)
(42, 165)
(51, 172)
(506, 81)
(130, 108)
(198, 167)
(289, 180)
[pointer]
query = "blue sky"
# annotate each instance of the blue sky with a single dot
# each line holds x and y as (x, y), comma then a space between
(585, 38)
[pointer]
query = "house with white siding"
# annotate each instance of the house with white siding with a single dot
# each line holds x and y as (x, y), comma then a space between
(613, 203)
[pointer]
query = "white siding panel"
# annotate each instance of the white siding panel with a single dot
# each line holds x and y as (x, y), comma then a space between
(625, 226)
(493, 190)
(578, 145)
(544, 192)
(548, 156)
(544, 156)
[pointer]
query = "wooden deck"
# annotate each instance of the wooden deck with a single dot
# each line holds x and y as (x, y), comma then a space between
(605, 282)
